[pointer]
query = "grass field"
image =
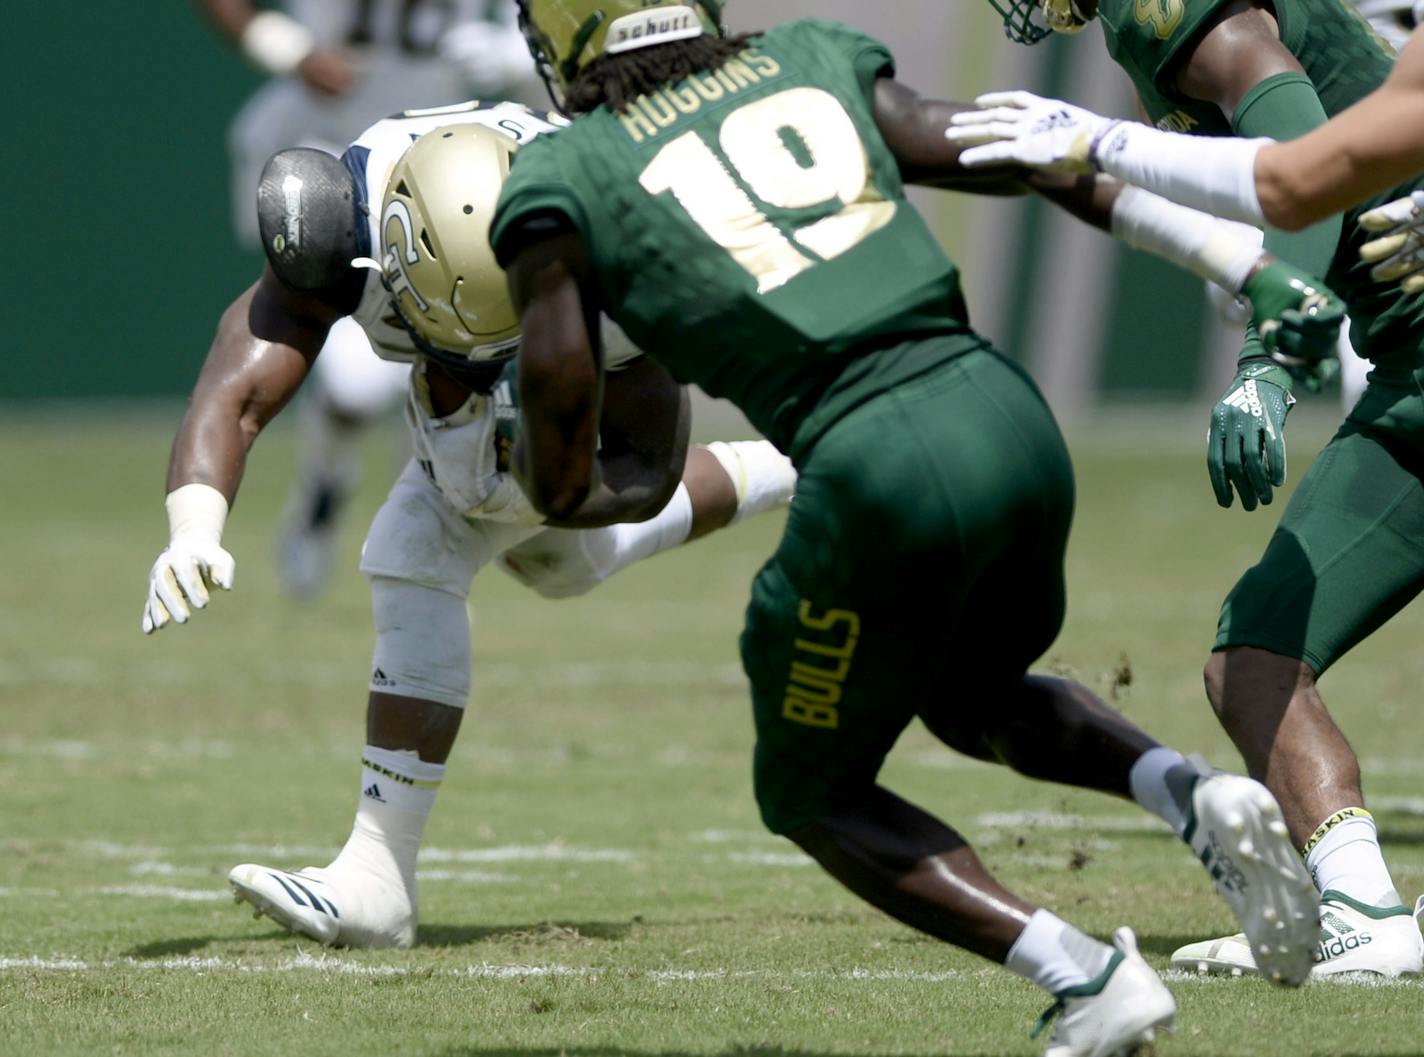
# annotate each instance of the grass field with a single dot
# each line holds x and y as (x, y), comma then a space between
(596, 882)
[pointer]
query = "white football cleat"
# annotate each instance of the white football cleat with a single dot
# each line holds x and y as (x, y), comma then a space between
(322, 905)
(1236, 830)
(1353, 938)
(1115, 1015)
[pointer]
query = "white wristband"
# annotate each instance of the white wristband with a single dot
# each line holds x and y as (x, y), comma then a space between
(1219, 251)
(276, 42)
(1213, 174)
(196, 511)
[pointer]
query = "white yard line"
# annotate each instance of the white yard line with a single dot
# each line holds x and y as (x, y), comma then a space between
(183, 895)
(334, 965)
(1057, 821)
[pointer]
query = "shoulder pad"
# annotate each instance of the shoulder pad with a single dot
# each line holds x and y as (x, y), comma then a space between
(309, 217)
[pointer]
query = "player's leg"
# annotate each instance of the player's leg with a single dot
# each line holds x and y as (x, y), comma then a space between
(897, 510)
(1344, 559)
(420, 558)
(349, 390)
(723, 483)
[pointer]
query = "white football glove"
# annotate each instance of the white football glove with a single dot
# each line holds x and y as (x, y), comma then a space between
(193, 561)
(1020, 127)
(1398, 252)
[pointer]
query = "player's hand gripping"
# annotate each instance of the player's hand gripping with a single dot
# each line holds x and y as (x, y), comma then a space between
(1246, 445)
(194, 560)
(1298, 318)
(1024, 128)
(1397, 251)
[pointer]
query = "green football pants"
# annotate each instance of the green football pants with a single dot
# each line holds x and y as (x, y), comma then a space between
(920, 573)
(1349, 551)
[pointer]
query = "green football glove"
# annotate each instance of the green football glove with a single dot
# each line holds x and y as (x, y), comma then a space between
(1298, 318)
(1246, 445)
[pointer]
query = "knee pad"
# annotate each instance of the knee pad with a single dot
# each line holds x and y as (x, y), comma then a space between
(562, 563)
(416, 536)
(422, 642)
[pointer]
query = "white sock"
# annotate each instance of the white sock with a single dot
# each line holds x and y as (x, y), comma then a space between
(764, 478)
(1344, 856)
(1161, 781)
(397, 792)
(1054, 955)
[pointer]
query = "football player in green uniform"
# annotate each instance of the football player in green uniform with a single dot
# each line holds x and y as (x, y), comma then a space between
(1346, 556)
(738, 206)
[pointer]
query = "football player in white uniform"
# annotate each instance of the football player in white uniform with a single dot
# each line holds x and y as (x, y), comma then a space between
(395, 235)
(338, 66)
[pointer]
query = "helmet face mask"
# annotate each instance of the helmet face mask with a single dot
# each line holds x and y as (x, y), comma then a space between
(566, 35)
(436, 260)
(1030, 21)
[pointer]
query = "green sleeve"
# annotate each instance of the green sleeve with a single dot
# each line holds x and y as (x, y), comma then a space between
(1286, 107)
(536, 186)
(870, 58)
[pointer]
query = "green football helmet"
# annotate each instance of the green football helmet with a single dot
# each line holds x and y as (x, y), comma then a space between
(566, 35)
(1059, 16)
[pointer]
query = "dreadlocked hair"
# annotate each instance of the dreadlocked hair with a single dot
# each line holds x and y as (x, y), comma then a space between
(615, 81)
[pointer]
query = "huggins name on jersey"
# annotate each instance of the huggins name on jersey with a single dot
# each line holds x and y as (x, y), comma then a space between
(650, 114)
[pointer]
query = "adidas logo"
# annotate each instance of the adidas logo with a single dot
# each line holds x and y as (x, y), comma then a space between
(1338, 937)
(374, 792)
(379, 678)
(1334, 946)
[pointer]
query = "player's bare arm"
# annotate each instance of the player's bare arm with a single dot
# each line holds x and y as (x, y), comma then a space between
(640, 413)
(264, 346)
(913, 128)
(1374, 145)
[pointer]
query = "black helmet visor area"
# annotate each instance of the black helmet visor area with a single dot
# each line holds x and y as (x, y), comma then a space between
(1022, 20)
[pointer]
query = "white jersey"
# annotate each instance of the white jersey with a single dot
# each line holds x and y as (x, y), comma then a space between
(457, 452)
(373, 157)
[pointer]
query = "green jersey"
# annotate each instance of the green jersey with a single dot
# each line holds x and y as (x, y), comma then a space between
(1345, 60)
(749, 230)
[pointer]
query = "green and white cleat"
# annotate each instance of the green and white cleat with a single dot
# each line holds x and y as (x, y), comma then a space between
(1236, 831)
(1353, 938)
(1115, 1015)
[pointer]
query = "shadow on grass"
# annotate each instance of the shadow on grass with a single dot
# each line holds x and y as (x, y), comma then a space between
(173, 948)
(550, 933)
